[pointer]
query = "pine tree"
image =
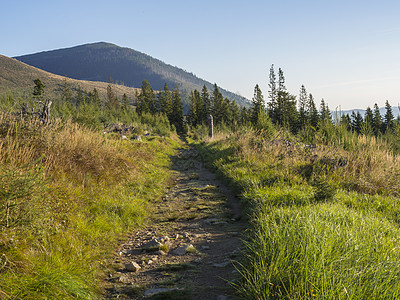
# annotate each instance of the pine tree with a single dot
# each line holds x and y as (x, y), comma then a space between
(205, 97)
(146, 100)
(369, 117)
(38, 89)
(312, 111)
(258, 105)
(177, 111)
(377, 120)
(165, 100)
(303, 102)
(217, 105)
(388, 122)
(357, 121)
(325, 114)
(112, 100)
(80, 96)
(272, 95)
(125, 102)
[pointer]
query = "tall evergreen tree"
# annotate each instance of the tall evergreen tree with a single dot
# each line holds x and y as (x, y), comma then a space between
(177, 111)
(303, 102)
(146, 102)
(165, 100)
(312, 111)
(377, 120)
(272, 95)
(125, 102)
(112, 100)
(258, 105)
(205, 97)
(38, 89)
(388, 122)
(325, 114)
(369, 117)
(217, 105)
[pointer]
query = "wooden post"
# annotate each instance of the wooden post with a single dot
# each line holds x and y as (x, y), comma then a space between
(210, 126)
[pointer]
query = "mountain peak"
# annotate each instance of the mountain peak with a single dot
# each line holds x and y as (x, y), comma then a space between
(101, 61)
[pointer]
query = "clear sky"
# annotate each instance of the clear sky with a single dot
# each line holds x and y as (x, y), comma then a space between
(346, 52)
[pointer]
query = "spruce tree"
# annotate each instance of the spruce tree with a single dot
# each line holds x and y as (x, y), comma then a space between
(325, 114)
(125, 102)
(272, 95)
(369, 117)
(205, 97)
(312, 111)
(38, 89)
(146, 100)
(258, 105)
(377, 120)
(217, 105)
(303, 101)
(388, 123)
(177, 111)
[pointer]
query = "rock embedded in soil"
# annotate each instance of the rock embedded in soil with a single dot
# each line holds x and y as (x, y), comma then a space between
(132, 267)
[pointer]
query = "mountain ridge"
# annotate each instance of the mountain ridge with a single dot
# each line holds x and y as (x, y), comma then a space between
(101, 61)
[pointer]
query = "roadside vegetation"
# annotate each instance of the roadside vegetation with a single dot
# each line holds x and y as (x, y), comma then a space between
(322, 200)
(69, 193)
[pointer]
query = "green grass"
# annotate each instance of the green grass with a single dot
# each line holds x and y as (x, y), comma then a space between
(68, 194)
(324, 222)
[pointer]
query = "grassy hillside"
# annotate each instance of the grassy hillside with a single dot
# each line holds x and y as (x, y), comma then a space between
(325, 217)
(17, 77)
(100, 61)
(67, 194)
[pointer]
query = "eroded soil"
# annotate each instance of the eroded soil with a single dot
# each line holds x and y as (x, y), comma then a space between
(189, 247)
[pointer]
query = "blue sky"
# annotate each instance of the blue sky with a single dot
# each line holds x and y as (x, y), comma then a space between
(346, 52)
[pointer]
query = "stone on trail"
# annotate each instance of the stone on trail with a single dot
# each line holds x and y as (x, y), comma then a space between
(132, 266)
(184, 249)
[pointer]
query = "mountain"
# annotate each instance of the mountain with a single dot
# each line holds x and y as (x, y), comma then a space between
(17, 77)
(102, 61)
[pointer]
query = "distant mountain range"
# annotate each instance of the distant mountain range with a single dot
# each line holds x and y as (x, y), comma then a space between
(102, 61)
(382, 111)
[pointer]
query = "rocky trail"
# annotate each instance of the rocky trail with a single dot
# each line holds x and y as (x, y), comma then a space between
(189, 247)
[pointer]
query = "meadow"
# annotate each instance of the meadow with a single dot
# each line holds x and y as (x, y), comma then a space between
(323, 211)
(69, 194)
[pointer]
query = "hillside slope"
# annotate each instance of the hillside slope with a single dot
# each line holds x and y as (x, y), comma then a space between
(17, 77)
(100, 61)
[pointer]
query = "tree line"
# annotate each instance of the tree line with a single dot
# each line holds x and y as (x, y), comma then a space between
(298, 113)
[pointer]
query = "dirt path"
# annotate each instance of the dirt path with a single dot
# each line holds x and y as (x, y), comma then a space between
(189, 248)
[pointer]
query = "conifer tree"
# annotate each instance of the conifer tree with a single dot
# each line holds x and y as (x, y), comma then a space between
(325, 114)
(125, 102)
(312, 111)
(146, 100)
(303, 101)
(217, 105)
(38, 89)
(205, 97)
(369, 117)
(112, 100)
(258, 105)
(177, 111)
(166, 102)
(377, 120)
(80, 96)
(272, 95)
(388, 122)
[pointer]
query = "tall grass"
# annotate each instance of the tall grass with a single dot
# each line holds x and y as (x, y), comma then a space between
(67, 194)
(324, 215)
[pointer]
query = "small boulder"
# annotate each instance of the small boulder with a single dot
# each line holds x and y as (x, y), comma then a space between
(132, 267)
